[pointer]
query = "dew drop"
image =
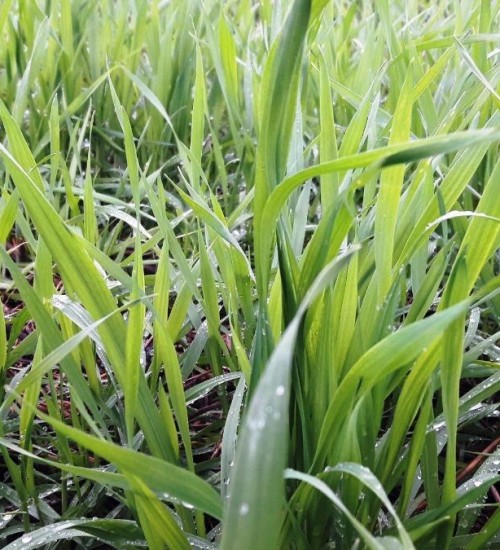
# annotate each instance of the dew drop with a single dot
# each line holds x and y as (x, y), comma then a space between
(280, 390)
(244, 508)
(26, 539)
(257, 424)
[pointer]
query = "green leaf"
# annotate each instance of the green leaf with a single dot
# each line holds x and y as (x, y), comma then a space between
(172, 482)
(252, 515)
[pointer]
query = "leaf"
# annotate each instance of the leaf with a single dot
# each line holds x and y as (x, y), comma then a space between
(111, 531)
(369, 480)
(397, 350)
(371, 542)
(174, 483)
(252, 515)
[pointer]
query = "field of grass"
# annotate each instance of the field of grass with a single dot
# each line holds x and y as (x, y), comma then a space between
(249, 268)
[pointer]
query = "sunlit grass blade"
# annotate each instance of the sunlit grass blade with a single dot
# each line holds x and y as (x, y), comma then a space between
(391, 183)
(397, 350)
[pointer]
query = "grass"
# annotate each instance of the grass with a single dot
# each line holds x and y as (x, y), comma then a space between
(249, 274)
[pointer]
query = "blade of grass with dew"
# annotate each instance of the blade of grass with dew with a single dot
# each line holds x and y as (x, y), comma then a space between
(159, 526)
(110, 531)
(417, 524)
(160, 476)
(369, 480)
(418, 447)
(370, 541)
(483, 538)
(476, 248)
(252, 514)
(229, 440)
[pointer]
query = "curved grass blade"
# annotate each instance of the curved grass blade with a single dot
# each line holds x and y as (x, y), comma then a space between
(397, 350)
(160, 476)
(115, 532)
(375, 159)
(371, 542)
(368, 478)
(252, 516)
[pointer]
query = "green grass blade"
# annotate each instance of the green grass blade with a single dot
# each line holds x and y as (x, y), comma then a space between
(160, 476)
(252, 515)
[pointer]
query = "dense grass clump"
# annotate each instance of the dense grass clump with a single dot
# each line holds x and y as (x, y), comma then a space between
(249, 274)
